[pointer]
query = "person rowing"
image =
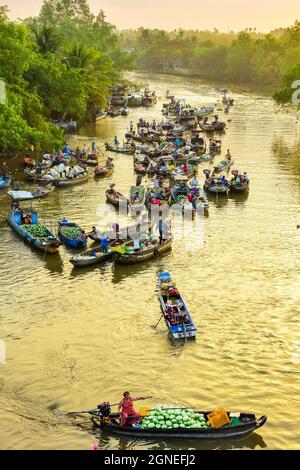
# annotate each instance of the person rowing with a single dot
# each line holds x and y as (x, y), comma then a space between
(128, 414)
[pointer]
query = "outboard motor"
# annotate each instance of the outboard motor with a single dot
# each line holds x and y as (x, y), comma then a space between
(104, 409)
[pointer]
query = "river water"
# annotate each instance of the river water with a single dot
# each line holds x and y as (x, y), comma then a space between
(75, 338)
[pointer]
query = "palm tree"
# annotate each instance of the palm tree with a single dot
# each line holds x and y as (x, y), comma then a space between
(80, 56)
(46, 39)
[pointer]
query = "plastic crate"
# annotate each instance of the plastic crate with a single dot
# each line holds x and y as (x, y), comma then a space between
(218, 418)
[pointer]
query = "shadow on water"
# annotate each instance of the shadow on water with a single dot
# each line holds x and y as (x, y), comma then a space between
(287, 155)
(254, 441)
(122, 271)
(102, 269)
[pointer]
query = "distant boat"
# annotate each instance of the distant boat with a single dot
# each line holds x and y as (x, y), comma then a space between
(100, 116)
(5, 181)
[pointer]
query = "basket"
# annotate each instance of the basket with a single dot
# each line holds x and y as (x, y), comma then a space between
(144, 412)
(218, 418)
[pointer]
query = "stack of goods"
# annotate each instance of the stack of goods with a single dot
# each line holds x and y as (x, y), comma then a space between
(70, 232)
(168, 288)
(37, 230)
(174, 418)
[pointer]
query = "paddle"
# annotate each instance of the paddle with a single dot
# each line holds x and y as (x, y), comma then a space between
(158, 321)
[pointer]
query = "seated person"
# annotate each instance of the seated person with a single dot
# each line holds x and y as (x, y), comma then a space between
(27, 219)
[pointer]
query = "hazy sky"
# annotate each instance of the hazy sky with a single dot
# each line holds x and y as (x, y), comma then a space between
(194, 14)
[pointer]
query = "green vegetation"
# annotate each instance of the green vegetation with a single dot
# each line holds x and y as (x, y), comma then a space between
(247, 57)
(58, 65)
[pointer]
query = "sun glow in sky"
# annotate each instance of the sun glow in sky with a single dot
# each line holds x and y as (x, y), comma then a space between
(225, 15)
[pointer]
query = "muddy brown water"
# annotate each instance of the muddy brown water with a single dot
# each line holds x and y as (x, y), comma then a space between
(75, 338)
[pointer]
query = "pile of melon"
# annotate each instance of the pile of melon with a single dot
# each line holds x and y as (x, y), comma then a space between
(174, 418)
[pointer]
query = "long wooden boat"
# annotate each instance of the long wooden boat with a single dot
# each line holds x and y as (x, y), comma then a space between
(91, 160)
(100, 116)
(93, 256)
(36, 235)
(115, 148)
(223, 165)
(213, 127)
(5, 182)
(190, 172)
(124, 232)
(216, 187)
(27, 195)
(69, 232)
(103, 171)
(144, 254)
(247, 424)
(175, 311)
(115, 198)
(64, 182)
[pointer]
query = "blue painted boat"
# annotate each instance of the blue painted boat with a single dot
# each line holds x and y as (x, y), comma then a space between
(34, 234)
(5, 181)
(69, 233)
(175, 311)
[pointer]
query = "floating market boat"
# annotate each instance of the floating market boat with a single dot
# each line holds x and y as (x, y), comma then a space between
(216, 186)
(223, 165)
(239, 187)
(215, 126)
(175, 311)
(69, 233)
(34, 234)
(173, 425)
(103, 171)
(124, 233)
(5, 181)
(127, 255)
(27, 195)
(100, 116)
(115, 198)
(180, 172)
(117, 149)
(64, 182)
(91, 160)
(93, 256)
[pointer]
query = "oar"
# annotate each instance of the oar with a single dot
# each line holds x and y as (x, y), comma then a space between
(158, 322)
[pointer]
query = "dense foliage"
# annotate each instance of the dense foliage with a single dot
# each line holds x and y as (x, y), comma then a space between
(58, 65)
(246, 57)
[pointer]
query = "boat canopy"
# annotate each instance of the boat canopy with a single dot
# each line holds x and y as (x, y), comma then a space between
(20, 195)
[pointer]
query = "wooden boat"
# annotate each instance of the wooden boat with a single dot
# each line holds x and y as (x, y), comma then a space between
(115, 198)
(138, 202)
(110, 423)
(36, 235)
(64, 182)
(175, 311)
(129, 256)
(124, 149)
(91, 160)
(207, 157)
(27, 195)
(5, 181)
(223, 165)
(158, 197)
(216, 187)
(100, 116)
(180, 172)
(103, 171)
(69, 233)
(124, 232)
(241, 187)
(93, 256)
(140, 168)
(213, 127)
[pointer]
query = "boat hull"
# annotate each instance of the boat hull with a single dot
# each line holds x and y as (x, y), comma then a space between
(224, 432)
(140, 257)
(50, 248)
(63, 183)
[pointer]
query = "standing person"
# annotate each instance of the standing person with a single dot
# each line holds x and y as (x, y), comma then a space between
(139, 180)
(94, 148)
(116, 142)
(126, 409)
(16, 185)
(103, 243)
(131, 126)
(84, 151)
(164, 230)
(228, 155)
